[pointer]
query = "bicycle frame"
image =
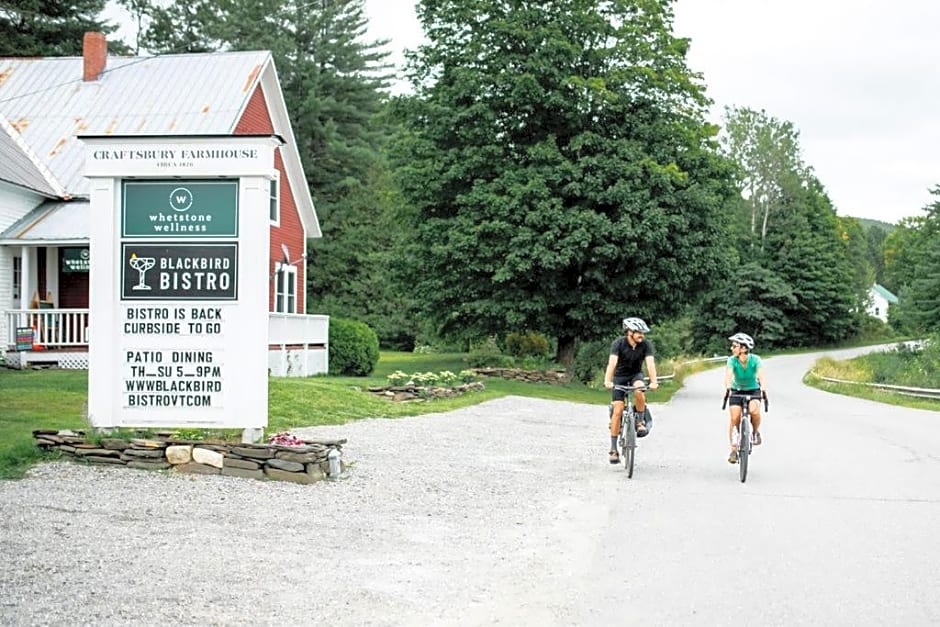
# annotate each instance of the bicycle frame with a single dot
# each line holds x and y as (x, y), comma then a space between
(744, 427)
(627, 436)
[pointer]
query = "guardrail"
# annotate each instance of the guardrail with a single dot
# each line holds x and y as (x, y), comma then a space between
(668, 377)
(898, 389)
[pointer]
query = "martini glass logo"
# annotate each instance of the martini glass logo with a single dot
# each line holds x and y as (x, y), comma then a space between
(141, 264)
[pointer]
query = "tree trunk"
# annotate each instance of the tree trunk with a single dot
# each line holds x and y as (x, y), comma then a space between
(567, 349)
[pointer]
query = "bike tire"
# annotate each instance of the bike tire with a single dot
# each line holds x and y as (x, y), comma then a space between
(628, 424)
(744, 446)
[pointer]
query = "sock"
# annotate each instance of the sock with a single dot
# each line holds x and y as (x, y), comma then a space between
(613, 443)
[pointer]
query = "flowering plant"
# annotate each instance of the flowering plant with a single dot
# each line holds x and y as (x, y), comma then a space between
(285, 438)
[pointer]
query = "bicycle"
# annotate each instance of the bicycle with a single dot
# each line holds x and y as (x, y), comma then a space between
(626, 439)
(744, 430)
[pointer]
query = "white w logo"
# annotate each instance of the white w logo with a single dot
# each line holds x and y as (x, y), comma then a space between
(181, 199)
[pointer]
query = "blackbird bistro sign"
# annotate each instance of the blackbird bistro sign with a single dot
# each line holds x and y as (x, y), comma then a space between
(179, 272)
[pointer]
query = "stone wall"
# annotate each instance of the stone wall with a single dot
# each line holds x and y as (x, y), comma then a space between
(554, 377)
(418, 393)
(306, 463)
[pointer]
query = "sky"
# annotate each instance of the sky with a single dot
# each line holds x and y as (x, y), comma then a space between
(859, 79)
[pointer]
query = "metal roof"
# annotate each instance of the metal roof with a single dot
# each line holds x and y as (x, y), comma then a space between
(51, 222)
(49, 104)
(17, 166)
(885, 294)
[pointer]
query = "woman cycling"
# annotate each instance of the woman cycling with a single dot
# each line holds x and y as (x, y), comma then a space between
(744, 376)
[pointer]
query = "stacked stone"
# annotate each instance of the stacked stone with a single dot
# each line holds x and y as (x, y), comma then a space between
(413, 392)
(554, 377)
(300, 464)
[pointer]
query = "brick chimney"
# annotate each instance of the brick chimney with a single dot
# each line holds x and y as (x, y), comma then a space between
(95, 55)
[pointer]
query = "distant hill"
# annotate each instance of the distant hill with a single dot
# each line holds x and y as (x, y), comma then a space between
(887, 227)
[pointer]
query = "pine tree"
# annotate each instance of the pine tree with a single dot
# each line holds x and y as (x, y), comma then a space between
(43, 28)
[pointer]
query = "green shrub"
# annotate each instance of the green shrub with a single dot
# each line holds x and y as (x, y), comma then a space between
(488, 355)
(873, 329)
(672, 338)
(591, 360)
(354, 348)
(528, 344)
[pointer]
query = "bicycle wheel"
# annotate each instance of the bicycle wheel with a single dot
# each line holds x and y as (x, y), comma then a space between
(744, 445)
(628, 425)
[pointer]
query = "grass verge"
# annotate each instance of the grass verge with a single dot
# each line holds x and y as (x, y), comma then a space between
(57, 399)
(862, 370)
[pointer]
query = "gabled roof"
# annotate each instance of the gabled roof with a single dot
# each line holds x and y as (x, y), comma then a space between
(20, 167)
(49, 104)
(885, 294)
(52, 222)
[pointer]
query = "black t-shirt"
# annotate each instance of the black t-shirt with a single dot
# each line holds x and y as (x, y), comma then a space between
(629, 360)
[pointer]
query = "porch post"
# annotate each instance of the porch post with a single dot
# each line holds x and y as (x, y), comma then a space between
(25, 271)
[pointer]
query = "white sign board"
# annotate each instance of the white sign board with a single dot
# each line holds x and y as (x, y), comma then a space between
(179, 287)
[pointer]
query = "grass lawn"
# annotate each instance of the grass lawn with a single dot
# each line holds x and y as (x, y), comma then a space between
(56, 399)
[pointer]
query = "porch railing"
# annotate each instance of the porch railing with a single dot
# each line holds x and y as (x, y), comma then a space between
(298, 330)
(51, 328)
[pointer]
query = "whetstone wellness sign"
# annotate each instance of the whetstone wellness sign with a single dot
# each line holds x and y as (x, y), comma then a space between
(180, 209)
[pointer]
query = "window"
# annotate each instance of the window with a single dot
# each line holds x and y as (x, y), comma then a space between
(285, 289)
(274, 202)
(17, 279)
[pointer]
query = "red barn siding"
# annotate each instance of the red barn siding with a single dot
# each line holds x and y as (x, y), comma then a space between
(257, 121)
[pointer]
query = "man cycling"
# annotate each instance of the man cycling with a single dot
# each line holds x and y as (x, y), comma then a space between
(625, 367)
(745, 376)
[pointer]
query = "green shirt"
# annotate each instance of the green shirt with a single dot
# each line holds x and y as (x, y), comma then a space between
(745, 375)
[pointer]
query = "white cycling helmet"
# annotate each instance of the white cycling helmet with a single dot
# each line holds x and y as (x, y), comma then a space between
(744, 339)
(635, 324)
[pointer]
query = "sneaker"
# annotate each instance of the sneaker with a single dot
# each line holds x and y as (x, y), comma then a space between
(614, 457)
(641, 428)
(733, 458)
(755, 438)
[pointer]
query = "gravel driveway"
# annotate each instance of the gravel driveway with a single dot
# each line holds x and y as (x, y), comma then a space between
(443, 519)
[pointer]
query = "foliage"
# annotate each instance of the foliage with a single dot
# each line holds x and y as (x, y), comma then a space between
(557, 159)
(333, 81)
(488, 355)
(591, 360)
(41, 28)
(803, 274)
(771, 163)
(673, 337)
(528, 344)
(873, 329)
(753, 301)
(912, 269)
(354, 347)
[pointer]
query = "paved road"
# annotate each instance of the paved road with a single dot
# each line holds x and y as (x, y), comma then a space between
(837, 524)
(507, 513)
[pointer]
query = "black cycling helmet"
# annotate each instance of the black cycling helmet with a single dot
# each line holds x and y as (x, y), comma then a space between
(635, 324)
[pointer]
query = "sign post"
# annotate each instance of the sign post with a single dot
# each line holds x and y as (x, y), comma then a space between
(178, 317)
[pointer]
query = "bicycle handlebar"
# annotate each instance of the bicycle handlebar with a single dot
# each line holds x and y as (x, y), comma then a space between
(630, 388)
(750, 397)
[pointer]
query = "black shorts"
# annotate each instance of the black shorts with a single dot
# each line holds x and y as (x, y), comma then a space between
(620, 395)
(737, 396)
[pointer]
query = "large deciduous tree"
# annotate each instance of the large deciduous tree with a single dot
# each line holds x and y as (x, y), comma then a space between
(560, 168)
